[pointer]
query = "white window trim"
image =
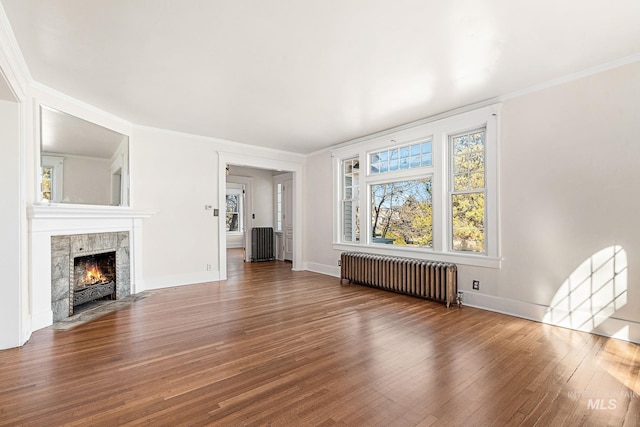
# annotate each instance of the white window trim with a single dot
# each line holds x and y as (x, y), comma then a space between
(439, 131)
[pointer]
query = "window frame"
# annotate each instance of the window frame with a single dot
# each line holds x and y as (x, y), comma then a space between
(439, 130)
(56, 164)
(239, 193)
(451, 191)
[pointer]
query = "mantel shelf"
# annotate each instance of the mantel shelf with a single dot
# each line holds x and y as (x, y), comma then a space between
(62, 211)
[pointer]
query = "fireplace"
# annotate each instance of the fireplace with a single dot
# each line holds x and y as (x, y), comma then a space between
(88, 267)
(94, 277)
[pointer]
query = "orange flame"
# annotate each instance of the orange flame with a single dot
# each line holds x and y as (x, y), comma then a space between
(93, 275)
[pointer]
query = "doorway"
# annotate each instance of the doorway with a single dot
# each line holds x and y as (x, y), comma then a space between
(260, 210)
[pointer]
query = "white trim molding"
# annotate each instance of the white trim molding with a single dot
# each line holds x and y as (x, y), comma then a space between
(58, 219)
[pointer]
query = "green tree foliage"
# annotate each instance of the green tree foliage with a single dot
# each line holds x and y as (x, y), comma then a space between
(46, 182)
(467, 200)
(402, 213)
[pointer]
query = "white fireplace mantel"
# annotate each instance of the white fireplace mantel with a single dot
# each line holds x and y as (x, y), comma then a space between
(62, 219)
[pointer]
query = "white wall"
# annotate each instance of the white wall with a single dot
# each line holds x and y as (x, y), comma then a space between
(568, 189)
(318, 214)
(10, 224)
(176, 175)
(262, 193)
(569, 185)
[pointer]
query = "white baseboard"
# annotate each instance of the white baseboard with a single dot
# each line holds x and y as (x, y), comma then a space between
(323, 269)
(41, 320)
(180, 280)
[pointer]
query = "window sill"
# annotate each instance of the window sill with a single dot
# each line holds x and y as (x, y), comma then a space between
(235, 233)
(424, 254)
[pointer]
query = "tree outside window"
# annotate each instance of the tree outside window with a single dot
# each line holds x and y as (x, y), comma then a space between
(234, 210)
(401, 213)
(468, 192)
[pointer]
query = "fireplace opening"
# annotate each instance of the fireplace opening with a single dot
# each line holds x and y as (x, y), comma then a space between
(94, 277)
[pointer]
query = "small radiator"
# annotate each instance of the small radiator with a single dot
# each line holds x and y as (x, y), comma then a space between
(436, 281)
(262, 244)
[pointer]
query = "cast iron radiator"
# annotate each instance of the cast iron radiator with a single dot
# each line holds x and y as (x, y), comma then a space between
(436, 281)
(262, 244)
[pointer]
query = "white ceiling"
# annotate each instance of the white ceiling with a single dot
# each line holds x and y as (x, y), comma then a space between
(301, 75)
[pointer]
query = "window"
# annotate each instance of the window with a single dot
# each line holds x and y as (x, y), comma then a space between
(467, 191)
(427, 191)
(47, 183)
(399, 158)
(401, 213)
(351, 200)
(51, 183)
(279, 207)
(234, 211)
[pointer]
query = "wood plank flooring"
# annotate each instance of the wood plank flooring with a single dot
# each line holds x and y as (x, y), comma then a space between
(274, 347)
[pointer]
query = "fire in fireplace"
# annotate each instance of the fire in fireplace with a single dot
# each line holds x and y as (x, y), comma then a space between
(94, 278)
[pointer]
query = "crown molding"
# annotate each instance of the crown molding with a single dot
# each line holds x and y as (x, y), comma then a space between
(13, 67)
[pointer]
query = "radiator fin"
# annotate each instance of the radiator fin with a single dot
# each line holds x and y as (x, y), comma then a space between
(262, 244)
(432, 280)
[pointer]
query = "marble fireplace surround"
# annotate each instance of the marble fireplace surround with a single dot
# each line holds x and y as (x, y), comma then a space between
(65, 249)
(47, 221)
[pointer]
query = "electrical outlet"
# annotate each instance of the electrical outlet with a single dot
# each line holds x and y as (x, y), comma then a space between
(476, 285)
(208, 267)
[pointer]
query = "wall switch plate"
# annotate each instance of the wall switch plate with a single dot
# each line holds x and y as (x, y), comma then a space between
(476, 285)
(216, 212)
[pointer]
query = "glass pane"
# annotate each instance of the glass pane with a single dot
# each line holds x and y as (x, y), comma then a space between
(393, 154)
(47, 172)
(232, 202)
(426, 147)
(348, 193)
(232, 222)
(426, 159)
(384, 156)
(384, 167)
(401, 213)
(467, 211)
(415, 150)
(476, 181)
(351, 221)
(404, 152)
(415, 162)
(460, 164)
(461, 182)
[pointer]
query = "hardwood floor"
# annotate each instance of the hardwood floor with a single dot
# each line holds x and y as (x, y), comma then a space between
(274, 347)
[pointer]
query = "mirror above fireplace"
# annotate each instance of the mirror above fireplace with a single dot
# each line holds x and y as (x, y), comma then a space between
(82, 162)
